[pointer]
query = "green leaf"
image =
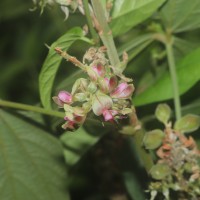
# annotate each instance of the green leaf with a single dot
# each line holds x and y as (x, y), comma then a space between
(129, 13)
(160, 171)
(133, 186)
(77, 144)
(163, 113)
(181, 15)
(188, 73)
(30, 162)
(134, 43)
(188, 123)
(52, 62)
(153, 139)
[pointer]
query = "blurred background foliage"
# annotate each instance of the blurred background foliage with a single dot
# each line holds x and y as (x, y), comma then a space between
(111, 168)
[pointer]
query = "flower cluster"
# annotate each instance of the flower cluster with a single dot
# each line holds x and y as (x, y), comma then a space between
(177, 173)
(177, 168)
(103, 92)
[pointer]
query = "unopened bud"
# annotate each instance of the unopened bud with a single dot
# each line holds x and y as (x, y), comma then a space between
(65, 97)
(123, 91)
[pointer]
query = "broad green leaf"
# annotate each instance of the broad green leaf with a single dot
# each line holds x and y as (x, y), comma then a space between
(188, 73)
(52, 62)
(30, 162)
(129, 13)
(133, 186)
(77, 144)
(181, 15)
(188, 123)
(132, 44)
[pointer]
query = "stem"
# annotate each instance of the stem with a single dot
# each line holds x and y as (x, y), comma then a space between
(106, 34)
(144, 155)
(172, 69)
(138, 136)
(89, 21)
(21, 106)
(69, 58)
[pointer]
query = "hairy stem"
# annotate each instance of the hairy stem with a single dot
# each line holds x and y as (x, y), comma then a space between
(21, 106)
(106, 34)
(172, 69)
(89, 21)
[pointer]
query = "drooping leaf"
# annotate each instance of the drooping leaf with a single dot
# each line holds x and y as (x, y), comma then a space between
(181, 15)
(127, 14)
(188, 123)
(77, 144)
(52, 62)
(153, 139)
(30, 162)
(188, 73)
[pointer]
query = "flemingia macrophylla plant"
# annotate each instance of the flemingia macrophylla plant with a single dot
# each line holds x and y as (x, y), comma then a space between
(102, 90)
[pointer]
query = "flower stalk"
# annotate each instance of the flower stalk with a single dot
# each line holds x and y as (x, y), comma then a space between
(172, 69)
(26, 107)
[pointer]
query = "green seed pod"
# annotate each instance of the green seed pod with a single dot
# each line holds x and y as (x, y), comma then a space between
(163, 113)
(188, 123)
(153, 139)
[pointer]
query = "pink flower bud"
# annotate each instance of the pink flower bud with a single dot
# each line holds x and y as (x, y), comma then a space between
(122, 91)
(109, 114)
(112, 83)
(65, 97)
(99, 69)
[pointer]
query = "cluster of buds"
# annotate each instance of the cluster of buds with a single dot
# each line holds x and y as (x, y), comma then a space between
(103, 92)
(177, 168)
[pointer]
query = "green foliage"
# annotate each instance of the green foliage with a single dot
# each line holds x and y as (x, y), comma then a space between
(181, 15)
(133, 186)
(76, 144)
(153, 139)
(30, 162)
(188, 73)
(129, 13)
(188, 123)
(52, 63)
(160, 171)
(163, 113)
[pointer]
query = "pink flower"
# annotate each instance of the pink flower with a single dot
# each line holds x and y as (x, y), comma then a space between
(123, 91)
(107, 84)
(73, 123)
(99, 69)
(100, 103)
(109, 114)
(65, 97)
